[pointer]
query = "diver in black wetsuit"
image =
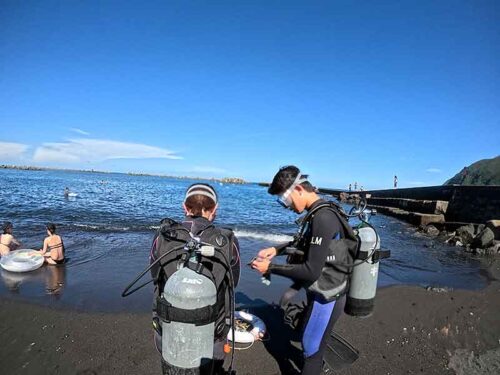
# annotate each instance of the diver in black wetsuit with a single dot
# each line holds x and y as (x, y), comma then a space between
(297, 194)
(200, 208)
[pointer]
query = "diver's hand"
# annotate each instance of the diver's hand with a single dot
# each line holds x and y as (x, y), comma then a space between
(268, 253)
(261, 265)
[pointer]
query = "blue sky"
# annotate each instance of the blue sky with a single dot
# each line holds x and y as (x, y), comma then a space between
(348, 91)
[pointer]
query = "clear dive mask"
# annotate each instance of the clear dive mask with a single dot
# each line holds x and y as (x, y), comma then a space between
(284, 199)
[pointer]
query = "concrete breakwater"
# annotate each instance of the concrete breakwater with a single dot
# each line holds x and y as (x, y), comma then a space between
(438, 204)
(460, 215)
(446, 204)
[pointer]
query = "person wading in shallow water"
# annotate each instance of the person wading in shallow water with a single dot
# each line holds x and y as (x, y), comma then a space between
(297, 194)
(8, 242)
(53, 247)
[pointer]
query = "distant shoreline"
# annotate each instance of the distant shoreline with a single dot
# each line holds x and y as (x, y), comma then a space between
(227, 180)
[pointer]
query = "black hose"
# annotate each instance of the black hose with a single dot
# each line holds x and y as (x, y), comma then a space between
(231, 306)
(126, 292)
(350, 214)
(136, 289)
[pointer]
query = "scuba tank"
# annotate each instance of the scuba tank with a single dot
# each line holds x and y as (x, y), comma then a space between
(354, 267)
(364, 276)
(187, 346)
(187, 309)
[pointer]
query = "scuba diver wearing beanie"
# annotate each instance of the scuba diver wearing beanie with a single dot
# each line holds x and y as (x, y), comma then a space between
(200, 208)
(321, 226)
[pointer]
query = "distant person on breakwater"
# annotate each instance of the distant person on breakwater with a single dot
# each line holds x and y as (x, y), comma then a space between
(355, 186)
(53, 246)
(395, 182)
(8, 242)
(350, 187)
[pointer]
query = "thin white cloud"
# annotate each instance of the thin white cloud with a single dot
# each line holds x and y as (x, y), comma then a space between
(79, 131)
(205, 169)
(12, 151)
(97, 150)
(433, 170)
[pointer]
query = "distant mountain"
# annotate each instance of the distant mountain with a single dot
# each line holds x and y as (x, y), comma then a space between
(482, 172)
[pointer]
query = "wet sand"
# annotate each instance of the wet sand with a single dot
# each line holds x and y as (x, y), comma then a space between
(412, 330)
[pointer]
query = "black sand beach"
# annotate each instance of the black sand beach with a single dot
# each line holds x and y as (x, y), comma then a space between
(412, 330)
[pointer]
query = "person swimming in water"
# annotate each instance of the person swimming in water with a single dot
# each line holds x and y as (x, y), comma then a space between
(53, 246)
(66, 192)
(8, 242)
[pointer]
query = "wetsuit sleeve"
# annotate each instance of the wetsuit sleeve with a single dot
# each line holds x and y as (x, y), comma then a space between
(324, 228)
(281, 247)
(235, 261)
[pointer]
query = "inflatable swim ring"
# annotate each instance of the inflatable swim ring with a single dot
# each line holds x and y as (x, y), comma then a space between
(249, 328)
(23, 260)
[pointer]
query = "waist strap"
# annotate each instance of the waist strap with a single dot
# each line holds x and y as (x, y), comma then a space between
(200, 316)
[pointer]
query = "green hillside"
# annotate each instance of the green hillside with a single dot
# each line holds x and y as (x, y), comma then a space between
(482, 172)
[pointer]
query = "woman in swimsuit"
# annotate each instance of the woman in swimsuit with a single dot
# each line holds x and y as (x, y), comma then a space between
(53, 246)
(8, 242)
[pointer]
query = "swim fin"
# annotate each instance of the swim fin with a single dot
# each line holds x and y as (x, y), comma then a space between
(339, 353)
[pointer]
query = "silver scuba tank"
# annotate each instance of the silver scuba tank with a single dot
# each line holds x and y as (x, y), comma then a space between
(363, 281)
(187, 347)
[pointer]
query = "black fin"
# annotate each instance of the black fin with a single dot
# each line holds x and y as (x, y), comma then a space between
(339, 352)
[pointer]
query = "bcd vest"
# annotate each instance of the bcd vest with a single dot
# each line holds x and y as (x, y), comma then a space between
(334, 279)
(172, 234)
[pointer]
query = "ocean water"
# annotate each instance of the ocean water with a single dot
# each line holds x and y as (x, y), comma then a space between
(108, 228)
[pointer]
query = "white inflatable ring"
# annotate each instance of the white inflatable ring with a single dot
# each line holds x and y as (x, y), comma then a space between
(247, 337)
(23, 260)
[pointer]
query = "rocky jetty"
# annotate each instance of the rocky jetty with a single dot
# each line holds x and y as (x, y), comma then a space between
(232, 180)
(482, 239)
(349, 198)
(430, 217)
(22, 167)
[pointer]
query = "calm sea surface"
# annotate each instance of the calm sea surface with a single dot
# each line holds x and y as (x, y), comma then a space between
(108, 228)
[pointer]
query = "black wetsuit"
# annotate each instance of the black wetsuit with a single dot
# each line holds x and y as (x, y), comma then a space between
(320, 315)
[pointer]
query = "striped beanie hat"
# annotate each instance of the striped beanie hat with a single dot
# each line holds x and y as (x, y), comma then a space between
(201, 189)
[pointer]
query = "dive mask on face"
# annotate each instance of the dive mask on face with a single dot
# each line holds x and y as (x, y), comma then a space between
(284, 199)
